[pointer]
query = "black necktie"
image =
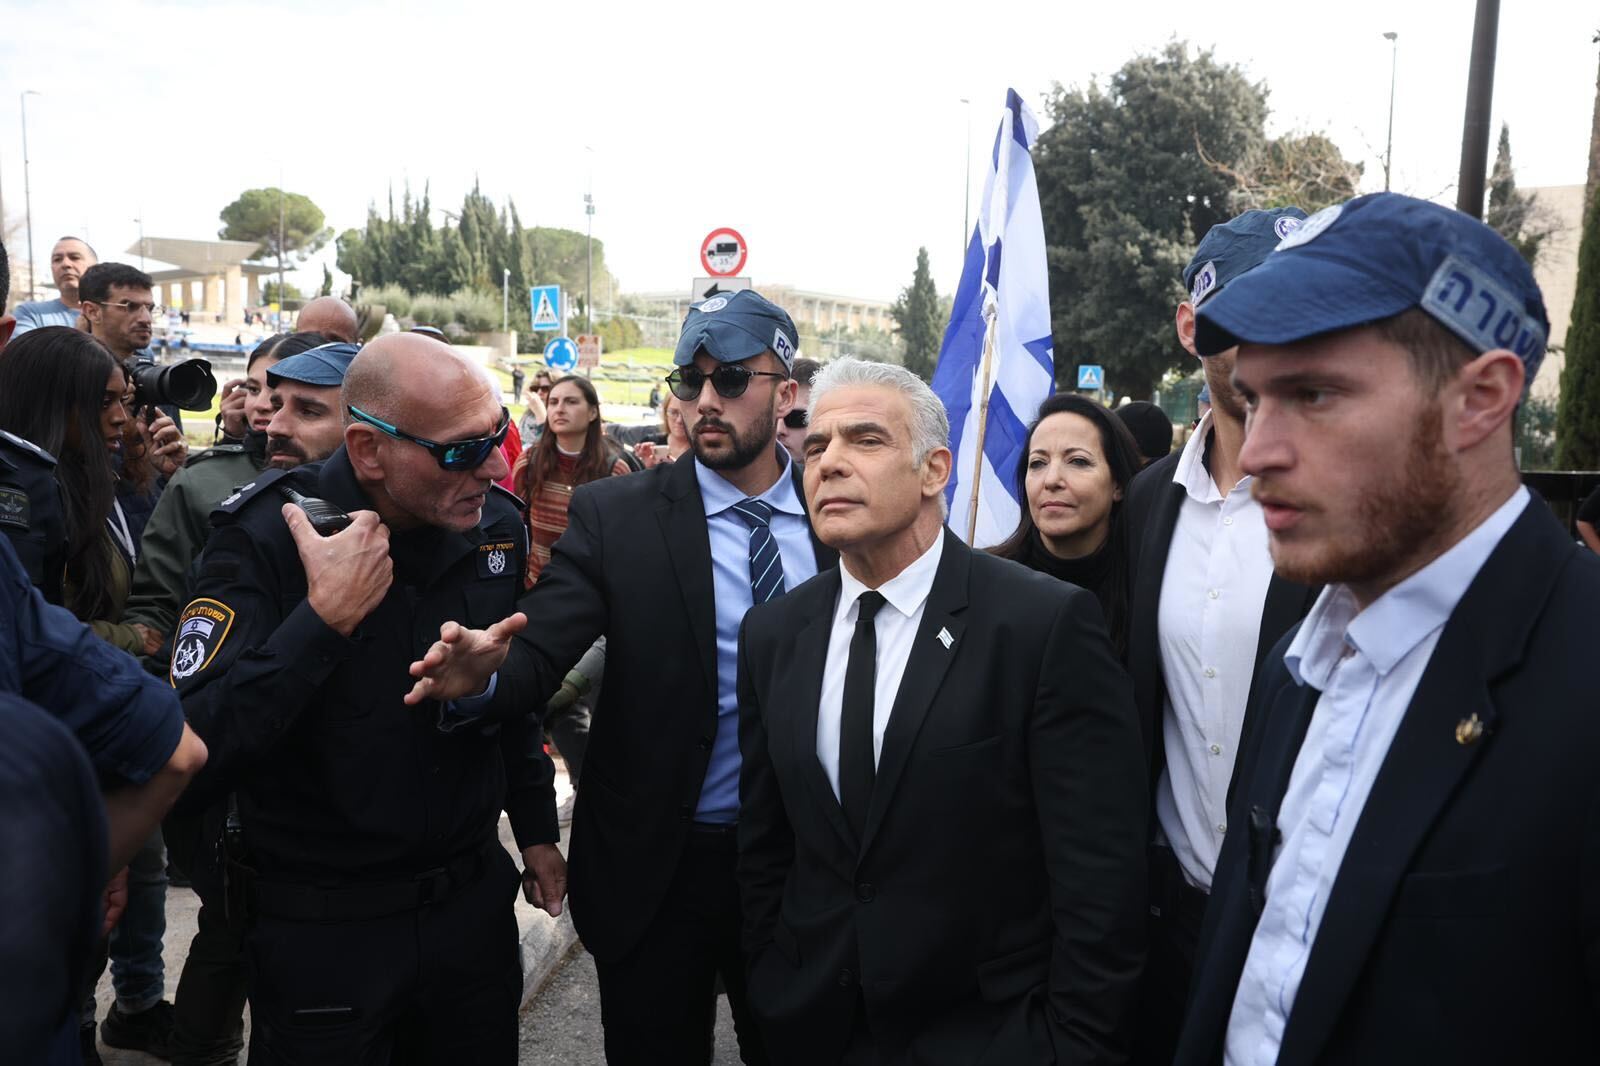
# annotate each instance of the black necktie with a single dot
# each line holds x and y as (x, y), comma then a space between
(857, 765)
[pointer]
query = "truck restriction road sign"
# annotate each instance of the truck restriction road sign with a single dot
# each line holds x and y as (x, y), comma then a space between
(723, 252)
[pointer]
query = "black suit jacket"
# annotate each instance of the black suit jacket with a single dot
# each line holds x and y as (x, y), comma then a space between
(1464, 924)
(1149, 517)
(634, 564)
(993, 911)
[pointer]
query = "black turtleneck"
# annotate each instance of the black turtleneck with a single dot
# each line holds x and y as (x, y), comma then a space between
(1092, 571)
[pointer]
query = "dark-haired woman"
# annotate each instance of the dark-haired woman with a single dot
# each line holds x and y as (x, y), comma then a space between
(64, 391)
(1074, 470)
(572, 451)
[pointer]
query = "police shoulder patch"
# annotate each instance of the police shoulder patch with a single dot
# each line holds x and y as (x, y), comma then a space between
(14, 507)
(202, 627)
(245, 493)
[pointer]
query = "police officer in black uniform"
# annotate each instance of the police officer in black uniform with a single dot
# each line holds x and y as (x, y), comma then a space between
(31, 514)
(30, 500)
(380, 898)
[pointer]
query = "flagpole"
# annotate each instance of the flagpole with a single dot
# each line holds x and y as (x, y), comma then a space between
(990, 313)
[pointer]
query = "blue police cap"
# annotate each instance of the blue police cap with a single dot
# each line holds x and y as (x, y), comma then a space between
(736, 326)
(321, 366)
(1230, 248)
(1372, 258)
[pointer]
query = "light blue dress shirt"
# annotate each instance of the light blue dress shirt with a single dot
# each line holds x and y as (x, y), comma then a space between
(44, 313)
(730, 581)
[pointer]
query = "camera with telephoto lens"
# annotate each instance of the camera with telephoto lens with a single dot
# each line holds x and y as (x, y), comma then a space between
(189, 385)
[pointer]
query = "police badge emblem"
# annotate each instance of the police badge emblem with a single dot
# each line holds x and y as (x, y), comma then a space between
(202, 627)
(494, 559)
(14, 508)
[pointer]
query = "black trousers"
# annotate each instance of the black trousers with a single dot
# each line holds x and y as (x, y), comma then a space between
(659, 1003)
(1177, 910)
(208, 1017)
(439, 984)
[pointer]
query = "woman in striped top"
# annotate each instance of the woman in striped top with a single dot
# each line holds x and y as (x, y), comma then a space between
(572, 451)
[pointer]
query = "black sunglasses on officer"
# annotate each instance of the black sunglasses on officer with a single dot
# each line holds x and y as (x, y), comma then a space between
(729, 379)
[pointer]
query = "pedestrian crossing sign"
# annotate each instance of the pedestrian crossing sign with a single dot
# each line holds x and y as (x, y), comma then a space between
(545, 303)
(1091, 376)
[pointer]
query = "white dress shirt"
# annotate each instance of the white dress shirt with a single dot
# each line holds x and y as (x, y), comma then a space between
(1367, 665)
(1209, 623)
(896, 627)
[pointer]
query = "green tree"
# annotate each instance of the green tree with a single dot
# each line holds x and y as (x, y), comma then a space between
(286, 225)
(327, 282)
(1578, 414)
(917, 314)
(401, 250)
(269, 293)
(1296, 170)
(1125, 195)
(1515, 215)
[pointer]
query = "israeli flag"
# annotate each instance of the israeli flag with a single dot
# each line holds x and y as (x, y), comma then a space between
(1014, 290)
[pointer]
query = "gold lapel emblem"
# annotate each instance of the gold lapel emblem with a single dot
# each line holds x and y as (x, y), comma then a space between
(1468, 730)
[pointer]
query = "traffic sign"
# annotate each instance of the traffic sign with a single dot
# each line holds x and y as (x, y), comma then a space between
(723, 252)
(589, 348)
(561, 354)
(706, 288)
(544, 302)
(1091, 376)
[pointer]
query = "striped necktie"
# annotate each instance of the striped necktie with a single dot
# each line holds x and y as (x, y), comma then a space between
(766, 566)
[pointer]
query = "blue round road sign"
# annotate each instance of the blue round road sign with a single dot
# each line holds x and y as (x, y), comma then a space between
(561, 354)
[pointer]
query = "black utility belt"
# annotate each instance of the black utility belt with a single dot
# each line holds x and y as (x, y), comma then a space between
(366, 899)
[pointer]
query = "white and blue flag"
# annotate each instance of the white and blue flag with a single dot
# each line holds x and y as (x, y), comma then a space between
(1013, 289)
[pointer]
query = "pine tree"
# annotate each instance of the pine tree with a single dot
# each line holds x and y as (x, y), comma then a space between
(1578, 416)
(917, 313)
(1514, 214)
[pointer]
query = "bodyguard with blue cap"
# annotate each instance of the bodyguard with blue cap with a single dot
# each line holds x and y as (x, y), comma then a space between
(1206, 609)
(307, 422)
(665, 563)
(1404, 832)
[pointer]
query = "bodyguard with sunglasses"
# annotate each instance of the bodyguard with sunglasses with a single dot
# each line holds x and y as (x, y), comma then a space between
(369, 864)
(666, 563)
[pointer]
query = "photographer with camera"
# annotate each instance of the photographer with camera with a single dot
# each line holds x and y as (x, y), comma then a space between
(119, 305)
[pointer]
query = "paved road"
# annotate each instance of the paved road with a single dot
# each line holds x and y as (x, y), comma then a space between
(561, 1025)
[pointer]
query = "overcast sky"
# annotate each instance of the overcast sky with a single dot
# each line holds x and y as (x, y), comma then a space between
(832, 135)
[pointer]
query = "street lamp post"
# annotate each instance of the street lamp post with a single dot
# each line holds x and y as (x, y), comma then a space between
(27, 192)
(1480, 94)
(588, 280)
(1388, 150)
(505, 300)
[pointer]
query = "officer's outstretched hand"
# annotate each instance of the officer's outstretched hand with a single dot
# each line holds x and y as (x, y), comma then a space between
(347, 573)
(461, 661)
(544, 877)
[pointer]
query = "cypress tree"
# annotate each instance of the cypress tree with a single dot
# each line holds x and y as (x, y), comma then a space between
(1578, 415)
